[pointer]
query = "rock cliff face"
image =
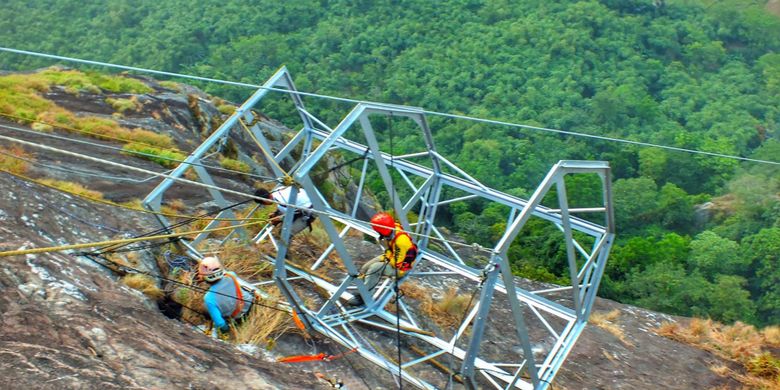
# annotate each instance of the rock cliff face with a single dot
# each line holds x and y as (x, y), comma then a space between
(68, 323)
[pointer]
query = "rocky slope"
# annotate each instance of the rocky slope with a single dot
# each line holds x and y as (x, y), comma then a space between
(68, 323)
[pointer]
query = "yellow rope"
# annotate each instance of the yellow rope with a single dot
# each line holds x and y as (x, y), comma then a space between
(268, 155)
(110, 203)
(115, 242)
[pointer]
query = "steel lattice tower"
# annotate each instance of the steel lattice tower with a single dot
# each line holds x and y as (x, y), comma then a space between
(546, 328)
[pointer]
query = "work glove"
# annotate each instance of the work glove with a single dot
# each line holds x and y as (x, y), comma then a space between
(223, 332)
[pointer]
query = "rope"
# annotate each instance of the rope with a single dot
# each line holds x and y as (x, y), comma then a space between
(312, 358)
(176, 282)
(268, 155)
(113, 242)
(177, 261)
(395, 268)
(363, 157)
(75, 171)
(118, 205)
(13, 128)
(170, 215)
(175, 225)
(355, 101)
(109, 203)
(129, 167)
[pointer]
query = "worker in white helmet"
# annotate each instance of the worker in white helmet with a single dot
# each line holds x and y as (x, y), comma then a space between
(229, 297)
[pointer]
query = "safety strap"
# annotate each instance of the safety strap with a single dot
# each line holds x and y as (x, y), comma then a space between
(312, 358)
(239, 296)
(411, 253)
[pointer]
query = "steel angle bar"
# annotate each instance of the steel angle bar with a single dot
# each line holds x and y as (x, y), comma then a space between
(457, 352)
(413, 155)
(464, 325)
(329, 139)
(290, 146)
(448, 201)
(315, 119)
(379, 360)
(597, 275)
(329, 249)
(418, 194)
(549, 290)
(455, 168)
(463, 185)
(591, 258)
(485, 300)
(491, 380)
(406, 180)
(447, 245)
(582, 210)
(544, 322)
(576, 244)
(221, 131)
(359, 193)
(568, 238)
(423, 358)
(557, 359)
(381, 166)
(525, 296)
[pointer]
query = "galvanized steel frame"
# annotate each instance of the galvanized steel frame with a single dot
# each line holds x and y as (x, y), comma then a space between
(335, 320)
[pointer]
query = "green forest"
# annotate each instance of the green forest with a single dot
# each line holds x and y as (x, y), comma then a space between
(697, 235)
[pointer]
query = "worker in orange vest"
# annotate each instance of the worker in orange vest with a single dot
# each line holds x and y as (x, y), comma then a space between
(397, 259)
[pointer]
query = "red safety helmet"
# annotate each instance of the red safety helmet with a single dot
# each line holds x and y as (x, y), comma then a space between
(383, 223)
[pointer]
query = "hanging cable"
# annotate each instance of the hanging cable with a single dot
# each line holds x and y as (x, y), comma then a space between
(107, 162)
(173, 281)
(266, 179)
(355, 101)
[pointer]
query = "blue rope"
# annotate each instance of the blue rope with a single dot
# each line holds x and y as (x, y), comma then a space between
(178, 261)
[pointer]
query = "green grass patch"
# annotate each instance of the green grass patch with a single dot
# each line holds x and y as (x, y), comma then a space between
(226, 109)
(11, 164)
(122, 105)
(235, 165)
(170, 85)
(164, 157)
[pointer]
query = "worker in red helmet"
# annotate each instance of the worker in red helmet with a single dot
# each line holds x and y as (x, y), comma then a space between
(398, 257)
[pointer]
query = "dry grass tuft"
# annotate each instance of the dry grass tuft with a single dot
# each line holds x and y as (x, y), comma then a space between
(448, 311)
(177, 205)
(772, 335)
(145, 284)
(11, 164)
(245, 261)
(190, 298)
(608, 322)
(764, 366)
(741, 343)
(74, 188)
(263, 325)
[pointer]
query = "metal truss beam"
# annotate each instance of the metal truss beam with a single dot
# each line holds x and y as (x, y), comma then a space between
(534, 314)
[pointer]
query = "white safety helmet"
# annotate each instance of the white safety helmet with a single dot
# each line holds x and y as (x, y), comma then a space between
(210, 269)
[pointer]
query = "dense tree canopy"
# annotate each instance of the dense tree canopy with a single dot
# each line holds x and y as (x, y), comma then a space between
(686, 73)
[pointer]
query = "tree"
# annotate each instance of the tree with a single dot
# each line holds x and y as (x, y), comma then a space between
(762, 250)
(712, 255)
